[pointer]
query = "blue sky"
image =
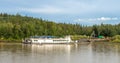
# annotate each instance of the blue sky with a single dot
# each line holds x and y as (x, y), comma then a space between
(85, 12)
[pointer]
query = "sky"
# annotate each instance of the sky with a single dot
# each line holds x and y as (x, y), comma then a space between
(84, 12)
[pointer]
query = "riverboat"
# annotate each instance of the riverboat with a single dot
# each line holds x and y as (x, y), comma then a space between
(47, 39)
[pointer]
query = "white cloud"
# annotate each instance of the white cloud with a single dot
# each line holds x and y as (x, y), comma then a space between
(98, 20)
(58, 7)
(107, 18)
(104, 19)
(45, 10)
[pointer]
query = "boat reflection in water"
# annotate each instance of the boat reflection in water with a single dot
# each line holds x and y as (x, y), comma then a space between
(51, 49)
(53, 52)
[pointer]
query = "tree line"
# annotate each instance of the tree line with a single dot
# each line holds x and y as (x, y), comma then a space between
(18, 27)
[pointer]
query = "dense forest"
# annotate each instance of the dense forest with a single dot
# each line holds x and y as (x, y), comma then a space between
(18, 27)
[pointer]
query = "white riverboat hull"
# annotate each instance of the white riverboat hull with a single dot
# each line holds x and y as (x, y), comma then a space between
(47, 40)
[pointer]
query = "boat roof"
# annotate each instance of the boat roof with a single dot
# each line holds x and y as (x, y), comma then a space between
(42, 36)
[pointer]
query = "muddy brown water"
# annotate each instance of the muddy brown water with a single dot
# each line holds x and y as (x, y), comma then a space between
(96, 52)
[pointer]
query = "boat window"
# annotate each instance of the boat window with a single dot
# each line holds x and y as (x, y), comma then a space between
(35, 40)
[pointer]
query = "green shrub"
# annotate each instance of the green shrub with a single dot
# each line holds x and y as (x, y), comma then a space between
(116, 38)
(77, 37)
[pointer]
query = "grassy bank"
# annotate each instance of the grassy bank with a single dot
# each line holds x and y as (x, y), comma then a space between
(11, 40)
(116, 38)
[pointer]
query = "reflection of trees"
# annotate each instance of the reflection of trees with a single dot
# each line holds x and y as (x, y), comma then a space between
(14, 48)
(116, 47)
(49, 49)
(105, 47)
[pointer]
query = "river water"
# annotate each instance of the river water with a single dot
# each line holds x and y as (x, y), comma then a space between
(99, 52)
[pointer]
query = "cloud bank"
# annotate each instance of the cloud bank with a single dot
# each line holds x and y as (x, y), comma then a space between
(109, 20)
(98, 19)
(79, 11)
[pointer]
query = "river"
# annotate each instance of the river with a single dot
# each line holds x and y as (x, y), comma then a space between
(94, 52)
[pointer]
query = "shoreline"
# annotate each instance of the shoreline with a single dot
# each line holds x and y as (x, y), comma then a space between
(79, 41)
(10, 41)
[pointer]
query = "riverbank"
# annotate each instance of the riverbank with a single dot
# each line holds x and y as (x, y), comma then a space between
(11, 41)
(76, 38)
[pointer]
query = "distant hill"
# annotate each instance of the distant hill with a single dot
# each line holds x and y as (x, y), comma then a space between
(18, 27)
